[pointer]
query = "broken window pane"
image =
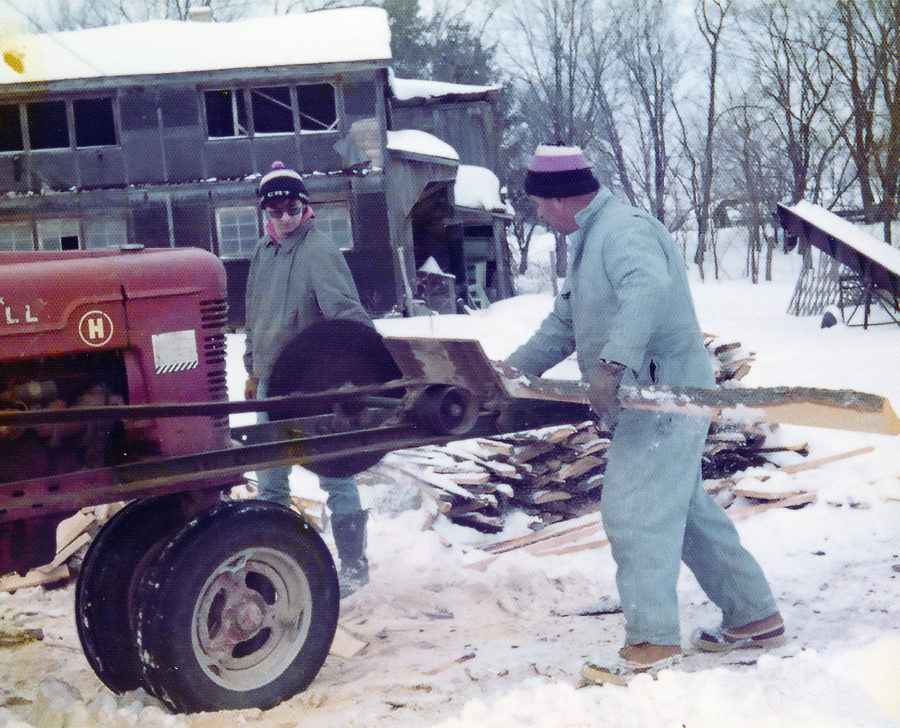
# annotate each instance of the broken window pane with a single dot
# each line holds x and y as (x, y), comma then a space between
(272, 110)
(58, 233)
(47, 128)
(318, 111)
(10, 129)
(225, 113)
(94, 125)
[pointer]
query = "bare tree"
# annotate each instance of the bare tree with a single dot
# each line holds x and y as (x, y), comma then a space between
(650, 54)
(73, 14)
(710, 16)
(796, 81)
(867, 61)
(600, 77)
(546, 61)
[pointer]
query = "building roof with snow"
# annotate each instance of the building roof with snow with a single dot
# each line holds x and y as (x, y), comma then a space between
(339, 36)
(416, 90)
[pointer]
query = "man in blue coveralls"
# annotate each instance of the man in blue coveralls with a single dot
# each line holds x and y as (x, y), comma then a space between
(626, 309)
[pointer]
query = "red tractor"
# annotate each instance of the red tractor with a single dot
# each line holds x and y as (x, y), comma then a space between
(113, 388)
(206, 603)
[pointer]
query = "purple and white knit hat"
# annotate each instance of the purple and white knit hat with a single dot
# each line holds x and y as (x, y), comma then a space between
(557, 171)
(281, 183)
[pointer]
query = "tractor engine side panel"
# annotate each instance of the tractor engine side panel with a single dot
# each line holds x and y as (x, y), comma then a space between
(95, 329)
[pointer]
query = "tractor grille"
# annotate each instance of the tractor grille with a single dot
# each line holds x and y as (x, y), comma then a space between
(214, 317)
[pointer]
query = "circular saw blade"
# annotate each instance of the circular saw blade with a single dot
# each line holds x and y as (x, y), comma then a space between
(328, 354)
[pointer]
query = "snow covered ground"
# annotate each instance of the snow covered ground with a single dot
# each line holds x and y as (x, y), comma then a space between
(450, 646)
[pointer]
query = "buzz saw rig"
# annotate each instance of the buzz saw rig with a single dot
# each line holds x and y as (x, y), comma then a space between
(113, 388)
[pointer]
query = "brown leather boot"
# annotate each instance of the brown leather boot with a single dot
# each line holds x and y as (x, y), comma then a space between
(645, 657)
(646, 653)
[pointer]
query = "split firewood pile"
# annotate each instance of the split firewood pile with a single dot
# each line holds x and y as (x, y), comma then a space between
(556, 473)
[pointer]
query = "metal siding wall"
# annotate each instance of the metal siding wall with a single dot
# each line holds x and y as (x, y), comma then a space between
(55, 169)
(190, 221)
(13, 176)
(269, 149)
(318, 153)
(228, 159)
(101, 167)
(370, 221)
(182, 133)
(184, 159)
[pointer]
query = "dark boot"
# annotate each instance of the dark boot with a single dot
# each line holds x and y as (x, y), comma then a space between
(349, 533)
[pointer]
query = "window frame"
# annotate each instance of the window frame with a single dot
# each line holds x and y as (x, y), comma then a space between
(291, 108)
(106, 222)
(71, 127)
(241, 252)
(242, 102)
(25, 229)
(19, 114)
(323, 217)
(334, 125)
(112, 114)
(238, 108)
(66, 227)
(31, 124)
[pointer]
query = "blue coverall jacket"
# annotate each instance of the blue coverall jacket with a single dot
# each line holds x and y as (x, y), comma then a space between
(626, 299)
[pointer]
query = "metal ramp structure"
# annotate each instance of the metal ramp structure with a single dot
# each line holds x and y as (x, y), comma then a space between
(858, 272)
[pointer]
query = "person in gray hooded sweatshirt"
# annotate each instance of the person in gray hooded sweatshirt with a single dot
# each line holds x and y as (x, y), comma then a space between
(298, 277)
(625, 308)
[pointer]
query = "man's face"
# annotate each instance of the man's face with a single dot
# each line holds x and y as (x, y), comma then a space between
(286, 216)
(557, 213)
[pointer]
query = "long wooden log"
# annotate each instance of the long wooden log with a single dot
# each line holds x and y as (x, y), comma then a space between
(837, 409)
(463, 362)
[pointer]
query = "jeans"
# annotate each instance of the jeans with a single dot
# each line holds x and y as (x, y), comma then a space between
(343, 493)
(656, 514)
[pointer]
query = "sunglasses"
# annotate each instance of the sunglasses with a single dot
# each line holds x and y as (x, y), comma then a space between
(292, 209)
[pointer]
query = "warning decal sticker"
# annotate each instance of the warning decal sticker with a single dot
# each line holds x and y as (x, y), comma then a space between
(175, 351)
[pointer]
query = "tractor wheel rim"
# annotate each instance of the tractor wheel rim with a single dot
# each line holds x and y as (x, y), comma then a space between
(251, 618)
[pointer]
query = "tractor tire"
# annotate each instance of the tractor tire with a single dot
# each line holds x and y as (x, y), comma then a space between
(239, 609)
(105, 589)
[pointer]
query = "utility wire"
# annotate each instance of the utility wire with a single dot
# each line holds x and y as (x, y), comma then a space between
(41, 29)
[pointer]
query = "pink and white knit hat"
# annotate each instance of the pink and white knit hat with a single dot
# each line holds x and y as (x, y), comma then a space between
(557, 171)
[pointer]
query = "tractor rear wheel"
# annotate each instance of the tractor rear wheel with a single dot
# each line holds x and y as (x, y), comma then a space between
(238, 610)
(105, 587)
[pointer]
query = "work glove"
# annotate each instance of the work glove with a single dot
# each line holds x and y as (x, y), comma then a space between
(250, 387)
(603, 390)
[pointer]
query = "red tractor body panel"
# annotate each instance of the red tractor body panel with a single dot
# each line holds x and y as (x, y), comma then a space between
(99, 328)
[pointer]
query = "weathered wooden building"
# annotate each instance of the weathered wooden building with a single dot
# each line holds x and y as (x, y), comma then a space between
(156, 133)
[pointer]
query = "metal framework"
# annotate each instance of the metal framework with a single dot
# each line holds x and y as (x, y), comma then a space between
(871, 269)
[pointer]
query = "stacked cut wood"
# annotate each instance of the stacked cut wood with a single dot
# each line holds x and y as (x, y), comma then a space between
(552, 474)
(556, 473)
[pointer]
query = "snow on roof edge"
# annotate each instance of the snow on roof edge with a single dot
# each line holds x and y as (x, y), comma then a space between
(857, 238)
(173, 46)
(406, 89)
(413, 141)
